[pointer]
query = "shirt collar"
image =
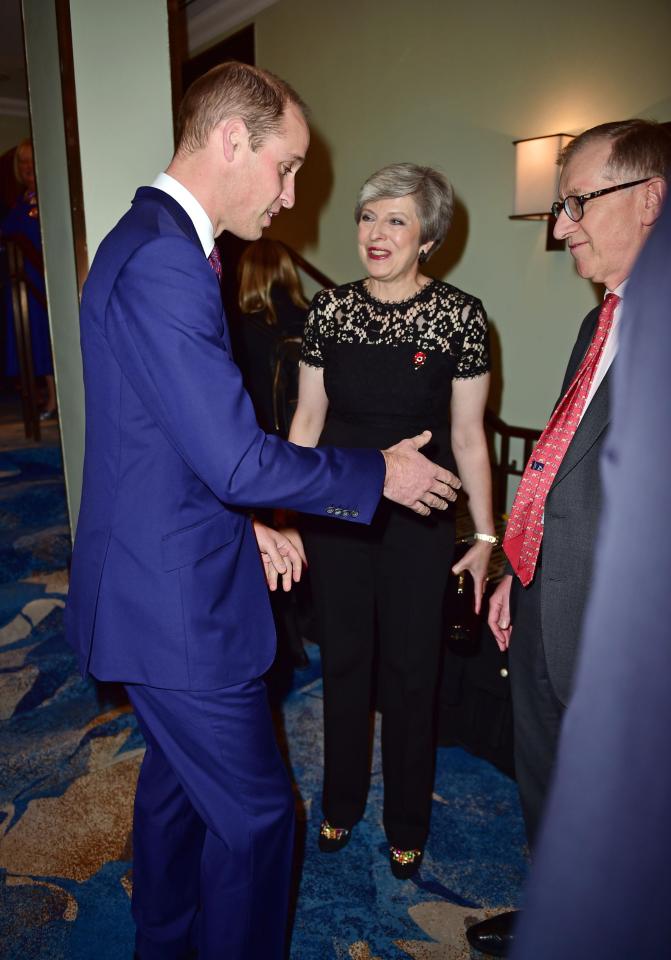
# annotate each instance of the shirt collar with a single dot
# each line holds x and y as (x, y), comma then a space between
(619, 289)
(200, 220)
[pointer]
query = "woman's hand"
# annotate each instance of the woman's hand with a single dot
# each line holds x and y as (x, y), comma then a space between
(282, 554)
(476, 561)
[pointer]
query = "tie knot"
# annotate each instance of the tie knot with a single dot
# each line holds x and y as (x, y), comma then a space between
(610, 302)
(214, 260)
(608, 306)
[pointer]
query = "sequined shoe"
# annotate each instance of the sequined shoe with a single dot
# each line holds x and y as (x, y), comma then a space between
(404, 863)
(331, 838)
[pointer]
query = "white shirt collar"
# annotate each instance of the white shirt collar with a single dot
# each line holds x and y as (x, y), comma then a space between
(186, 200)
(619, 289)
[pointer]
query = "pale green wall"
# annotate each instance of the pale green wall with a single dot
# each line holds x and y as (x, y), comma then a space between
(12, 131)
(52, 182)
(452, 84)
(122, 77)
(122, 74)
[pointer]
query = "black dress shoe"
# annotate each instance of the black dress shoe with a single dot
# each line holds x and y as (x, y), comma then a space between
(332, 838)
(494, 936)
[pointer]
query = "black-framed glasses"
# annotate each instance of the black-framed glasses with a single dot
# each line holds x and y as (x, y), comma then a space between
(573, 206)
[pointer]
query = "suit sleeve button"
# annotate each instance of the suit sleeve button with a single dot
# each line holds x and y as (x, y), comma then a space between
(330, 509)
(355, 513)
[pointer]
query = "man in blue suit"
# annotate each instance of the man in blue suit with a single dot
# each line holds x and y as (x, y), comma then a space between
(601, 884)
(167, 589)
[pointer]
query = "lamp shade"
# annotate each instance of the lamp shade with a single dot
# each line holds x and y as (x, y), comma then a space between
(537, 175)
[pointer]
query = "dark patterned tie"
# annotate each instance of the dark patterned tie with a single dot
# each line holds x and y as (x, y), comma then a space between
(214, 260)
(522, 541)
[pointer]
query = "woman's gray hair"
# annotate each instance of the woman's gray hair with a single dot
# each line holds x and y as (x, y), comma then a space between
(431, 191)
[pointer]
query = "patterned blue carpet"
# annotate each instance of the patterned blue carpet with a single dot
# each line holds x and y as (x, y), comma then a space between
(70, 757)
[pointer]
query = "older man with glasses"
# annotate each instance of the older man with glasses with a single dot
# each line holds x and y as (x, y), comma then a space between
(612, 187)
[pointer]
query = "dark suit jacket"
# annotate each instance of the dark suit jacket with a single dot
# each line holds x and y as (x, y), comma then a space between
(570, 523)
(601, 884)
(167, 587)
(255, 347)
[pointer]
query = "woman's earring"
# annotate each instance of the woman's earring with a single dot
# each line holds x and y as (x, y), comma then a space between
(423, 255)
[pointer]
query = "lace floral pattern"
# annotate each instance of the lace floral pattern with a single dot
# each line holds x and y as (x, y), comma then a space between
(439, 319)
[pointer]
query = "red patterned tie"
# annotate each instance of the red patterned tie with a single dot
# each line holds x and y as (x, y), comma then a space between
(214, 260)
(522, 542)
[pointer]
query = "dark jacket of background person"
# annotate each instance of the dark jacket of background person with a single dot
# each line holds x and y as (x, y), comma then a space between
(22, 226)
(570, 523)
(601, 885)
(272, 307)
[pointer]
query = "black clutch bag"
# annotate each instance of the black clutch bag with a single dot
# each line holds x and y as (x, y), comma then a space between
(474, 696)
(462, 623)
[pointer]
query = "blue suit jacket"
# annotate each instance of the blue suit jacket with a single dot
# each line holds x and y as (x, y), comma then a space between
(167, 587)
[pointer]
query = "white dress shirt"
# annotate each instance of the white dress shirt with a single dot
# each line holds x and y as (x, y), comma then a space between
(186, 200)
(609, 348)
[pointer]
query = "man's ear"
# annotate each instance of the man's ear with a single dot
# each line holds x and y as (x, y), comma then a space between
(234, 137)
(655, 192)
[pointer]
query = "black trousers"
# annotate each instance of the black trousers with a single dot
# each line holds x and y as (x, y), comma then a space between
(537, 711)
(387, 580)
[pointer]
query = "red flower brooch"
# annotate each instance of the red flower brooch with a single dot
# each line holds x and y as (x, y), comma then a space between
(419, 359)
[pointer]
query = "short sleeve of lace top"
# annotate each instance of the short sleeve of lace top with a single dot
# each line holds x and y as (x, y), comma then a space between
(474, 357)
(312, 350)
(440, 318)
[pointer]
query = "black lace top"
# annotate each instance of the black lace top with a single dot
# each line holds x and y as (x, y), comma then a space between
(388, 367)
(439, 319)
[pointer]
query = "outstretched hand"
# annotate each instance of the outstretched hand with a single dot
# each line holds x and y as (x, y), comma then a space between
(282, 554)
(416, 482)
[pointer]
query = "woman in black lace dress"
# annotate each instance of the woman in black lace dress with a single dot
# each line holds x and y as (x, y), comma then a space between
(384, 358)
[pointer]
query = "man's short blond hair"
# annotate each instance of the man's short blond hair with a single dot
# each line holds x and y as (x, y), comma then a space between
(233, 89)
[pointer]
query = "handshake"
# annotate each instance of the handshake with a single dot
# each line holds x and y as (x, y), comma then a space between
(411, 480)
(415, 482)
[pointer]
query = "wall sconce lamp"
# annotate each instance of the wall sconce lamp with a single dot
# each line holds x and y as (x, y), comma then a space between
(537, 181)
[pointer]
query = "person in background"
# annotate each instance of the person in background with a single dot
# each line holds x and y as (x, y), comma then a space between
(601, 883)
(273, 306)
(611, 189)
(22, 226)
(382, 356)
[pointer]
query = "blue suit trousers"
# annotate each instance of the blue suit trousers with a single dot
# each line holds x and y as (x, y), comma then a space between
(213, 826)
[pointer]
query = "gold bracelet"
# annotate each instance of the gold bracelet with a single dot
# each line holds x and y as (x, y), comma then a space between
(487, 537)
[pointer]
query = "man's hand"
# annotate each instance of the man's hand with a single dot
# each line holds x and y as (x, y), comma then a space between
(282, 554)
(499, 613)
(415, 482)
(476, 561)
